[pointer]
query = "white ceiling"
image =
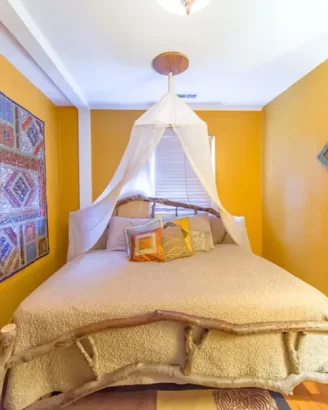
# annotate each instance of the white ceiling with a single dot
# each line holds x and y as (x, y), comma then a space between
(242, 53)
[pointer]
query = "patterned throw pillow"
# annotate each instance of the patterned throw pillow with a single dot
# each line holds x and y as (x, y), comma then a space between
(198, 241)
(117, 224)
(200, 223)
(174, 243)
(147, 246)
(183, 223)
(129, 231)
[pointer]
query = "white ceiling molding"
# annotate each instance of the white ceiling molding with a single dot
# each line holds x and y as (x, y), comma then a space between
(18, 21)
(194, 106)
(85, 164)
(19, 58)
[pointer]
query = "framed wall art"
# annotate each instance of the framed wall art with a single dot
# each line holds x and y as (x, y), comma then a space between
(23, 205)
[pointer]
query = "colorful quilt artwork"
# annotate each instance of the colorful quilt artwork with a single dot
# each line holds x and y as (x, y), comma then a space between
(23, 207)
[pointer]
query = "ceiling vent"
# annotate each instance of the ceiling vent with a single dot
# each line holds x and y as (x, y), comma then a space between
(187, 96)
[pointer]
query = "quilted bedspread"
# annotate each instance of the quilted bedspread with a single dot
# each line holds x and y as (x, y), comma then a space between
(227, 283)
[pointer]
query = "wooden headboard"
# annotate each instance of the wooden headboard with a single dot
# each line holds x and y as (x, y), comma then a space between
(167, 202)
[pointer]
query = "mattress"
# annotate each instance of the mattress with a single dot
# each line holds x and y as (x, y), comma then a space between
(228, 283)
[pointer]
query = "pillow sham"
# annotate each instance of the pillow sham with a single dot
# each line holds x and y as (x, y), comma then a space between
(147, 246)
(116, 237)
(218, 229)
(128, 232)
(174, 243)
(228, 239)
(200, 223)
(183, 223)
(198, 241)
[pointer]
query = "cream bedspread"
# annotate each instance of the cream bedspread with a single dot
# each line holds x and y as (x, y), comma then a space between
(227, 283)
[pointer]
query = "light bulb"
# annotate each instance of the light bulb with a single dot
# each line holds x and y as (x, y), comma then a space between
(178, 6)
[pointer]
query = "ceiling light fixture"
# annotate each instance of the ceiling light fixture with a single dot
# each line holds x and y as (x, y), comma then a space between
(183, 7)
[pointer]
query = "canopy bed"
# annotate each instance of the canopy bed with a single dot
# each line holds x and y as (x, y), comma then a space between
(223, 318)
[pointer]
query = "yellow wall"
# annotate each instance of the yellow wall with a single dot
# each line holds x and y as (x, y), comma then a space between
(238, 158)
(68, 170)
(295, 183)
(62, 180)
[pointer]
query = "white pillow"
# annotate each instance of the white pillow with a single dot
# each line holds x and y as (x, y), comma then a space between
(218, 230)
(200, 223)
(116, 236)
(198, 241)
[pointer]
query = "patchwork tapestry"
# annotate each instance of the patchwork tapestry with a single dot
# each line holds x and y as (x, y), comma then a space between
(23, 206)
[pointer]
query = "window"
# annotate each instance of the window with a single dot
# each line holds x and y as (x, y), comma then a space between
(173, 177)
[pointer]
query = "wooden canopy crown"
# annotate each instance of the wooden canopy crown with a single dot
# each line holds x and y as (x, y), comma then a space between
(167, 202)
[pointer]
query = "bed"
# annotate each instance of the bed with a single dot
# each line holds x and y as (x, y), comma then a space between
(226, 318)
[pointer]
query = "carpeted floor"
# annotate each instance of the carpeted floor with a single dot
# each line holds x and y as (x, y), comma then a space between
(221, 399)
(307, 396)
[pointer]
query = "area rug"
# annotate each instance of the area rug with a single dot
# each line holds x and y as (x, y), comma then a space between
(23, 207)
(221, 399)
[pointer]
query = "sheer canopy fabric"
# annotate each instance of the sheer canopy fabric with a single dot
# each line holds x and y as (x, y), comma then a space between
(87, 225)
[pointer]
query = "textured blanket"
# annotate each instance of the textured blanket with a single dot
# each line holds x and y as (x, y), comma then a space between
(227, 283)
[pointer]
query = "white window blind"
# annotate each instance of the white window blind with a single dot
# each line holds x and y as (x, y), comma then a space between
(173, 177)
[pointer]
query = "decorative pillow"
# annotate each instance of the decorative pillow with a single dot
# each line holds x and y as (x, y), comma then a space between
(147, 246)
(184, 225)
(228, 239)
(218, 230)
(116, 237)
(128, 232)
(201, 223)
(101, 244)
(174, 243)
(198, 241)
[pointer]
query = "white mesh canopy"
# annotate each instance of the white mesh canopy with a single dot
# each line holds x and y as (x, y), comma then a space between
(87, 225)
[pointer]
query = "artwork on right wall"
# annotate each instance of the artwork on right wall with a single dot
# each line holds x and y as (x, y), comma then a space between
(323, 156)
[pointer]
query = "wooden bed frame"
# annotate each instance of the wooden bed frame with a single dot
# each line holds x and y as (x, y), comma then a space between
(167, 202)
(83, 335)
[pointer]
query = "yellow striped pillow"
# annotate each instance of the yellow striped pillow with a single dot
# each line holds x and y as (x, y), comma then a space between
(174, 243)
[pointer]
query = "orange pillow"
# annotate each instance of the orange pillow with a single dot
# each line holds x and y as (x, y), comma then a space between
(147, 246)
